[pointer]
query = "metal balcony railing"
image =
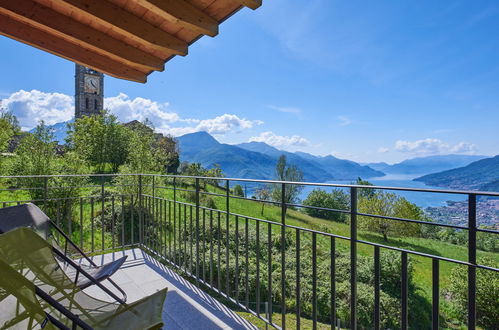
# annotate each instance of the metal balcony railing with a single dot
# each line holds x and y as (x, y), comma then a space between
(245, 258)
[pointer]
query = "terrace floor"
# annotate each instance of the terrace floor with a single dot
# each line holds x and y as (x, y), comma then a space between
(186, 306)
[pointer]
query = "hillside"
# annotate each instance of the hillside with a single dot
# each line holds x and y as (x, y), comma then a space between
(342, 169)
(482, 174)
(257, 160)
(426, 165)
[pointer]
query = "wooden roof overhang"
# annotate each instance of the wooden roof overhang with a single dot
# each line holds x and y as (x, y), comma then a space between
(126, 39)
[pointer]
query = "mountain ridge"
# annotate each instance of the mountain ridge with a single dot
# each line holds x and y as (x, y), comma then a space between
(482, 174)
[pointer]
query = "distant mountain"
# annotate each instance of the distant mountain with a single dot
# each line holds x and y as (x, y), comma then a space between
(342, 169)
(257, 160)
(381, 166)
(60, 130)
(430, 164)
(482, 174)
(311, 170)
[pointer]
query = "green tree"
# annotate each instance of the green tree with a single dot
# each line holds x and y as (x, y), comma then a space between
(390, 205)
(319, 198)
(365, 192)
(263, 193)
(100, 140)
(35, 156)
(238, 190)
(285, 172)
(8, 127)
(166, 153)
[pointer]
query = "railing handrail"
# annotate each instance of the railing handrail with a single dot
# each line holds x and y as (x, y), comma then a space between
(299, 183)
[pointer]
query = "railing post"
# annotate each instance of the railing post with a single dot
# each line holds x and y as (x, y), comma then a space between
(471, 260)
(353, 258)
(197, 231)
(141, 216)
(283, 256)
(102, 195)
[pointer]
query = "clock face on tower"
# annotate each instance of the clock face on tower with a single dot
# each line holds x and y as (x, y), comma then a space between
(91, 83)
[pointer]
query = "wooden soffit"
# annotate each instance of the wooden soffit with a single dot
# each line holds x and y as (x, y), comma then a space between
(126, 39)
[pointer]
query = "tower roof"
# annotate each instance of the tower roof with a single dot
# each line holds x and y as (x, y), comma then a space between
(126, 39)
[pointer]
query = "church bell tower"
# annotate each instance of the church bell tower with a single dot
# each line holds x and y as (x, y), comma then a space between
(89, 91)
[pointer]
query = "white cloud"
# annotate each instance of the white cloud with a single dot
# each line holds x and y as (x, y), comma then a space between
(431, 146)
(226, 123)
(284, 109)
(284, 142)
(383, 150)
(127, 109)
(31, 107)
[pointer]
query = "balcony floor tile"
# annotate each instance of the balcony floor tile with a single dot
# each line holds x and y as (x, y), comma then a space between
(186, 306)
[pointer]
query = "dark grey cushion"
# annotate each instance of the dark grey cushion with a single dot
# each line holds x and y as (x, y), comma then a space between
(25, 215)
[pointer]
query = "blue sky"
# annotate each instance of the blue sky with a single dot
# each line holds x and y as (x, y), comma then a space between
(362, 80)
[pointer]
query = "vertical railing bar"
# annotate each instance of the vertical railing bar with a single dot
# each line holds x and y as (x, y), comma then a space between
(185, 260)
(333, 280)
(203, 265)
(141, 216)
(236, 275)
(174, 221)
(435, 294)
(170, 229)
(81, 223)
(166, 227)
(211, 248)
(102, 211)
(122, 221)
(227, 247)
(112, 221)
(403, 293)
(70, 219)
(257, 242)
(152, 222)
(283, 256)
(472, 260)
(132, 211)
(353, 258)
(219, 284)
(227, 215)
(314, 280)
(191, 256)
(246, 243)
(269, 270)
(92, 223)
(298, 277)
(377, 284)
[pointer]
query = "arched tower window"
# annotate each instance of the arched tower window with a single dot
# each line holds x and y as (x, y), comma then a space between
(95, 104)
(86, 103)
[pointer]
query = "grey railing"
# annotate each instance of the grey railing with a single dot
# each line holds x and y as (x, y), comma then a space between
(165, 215)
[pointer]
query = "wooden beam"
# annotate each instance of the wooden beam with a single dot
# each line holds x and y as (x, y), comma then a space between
(253, 4)
(65, 27)
(127, 24)
(35, 37)
(183, 14)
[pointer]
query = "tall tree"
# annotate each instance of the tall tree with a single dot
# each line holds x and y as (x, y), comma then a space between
(285, 172)
(100, 140)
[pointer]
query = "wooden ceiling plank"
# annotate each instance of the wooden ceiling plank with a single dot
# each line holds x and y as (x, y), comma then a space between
(63, 26)
(183, 14)
(35, 37)
(253, 4)
(127, 24)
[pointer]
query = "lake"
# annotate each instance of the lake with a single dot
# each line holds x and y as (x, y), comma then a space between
(421, 199)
